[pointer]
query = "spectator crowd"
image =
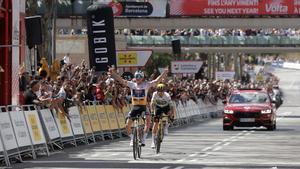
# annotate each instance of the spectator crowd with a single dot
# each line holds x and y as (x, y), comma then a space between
(194, 32)
(212, 32)
(76, 85)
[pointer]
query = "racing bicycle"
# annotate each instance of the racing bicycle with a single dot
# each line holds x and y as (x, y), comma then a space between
(163, 120)
(138, 134)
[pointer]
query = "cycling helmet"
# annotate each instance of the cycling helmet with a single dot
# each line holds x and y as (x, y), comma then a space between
(160, 87)
(139, 75)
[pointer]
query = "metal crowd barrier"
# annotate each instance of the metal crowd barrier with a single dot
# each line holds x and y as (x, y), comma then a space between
(87, 127)
(94, 121)
(50, 128)
(28, 130)
(188, 112)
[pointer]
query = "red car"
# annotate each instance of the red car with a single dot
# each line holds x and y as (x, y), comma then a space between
(249, 108)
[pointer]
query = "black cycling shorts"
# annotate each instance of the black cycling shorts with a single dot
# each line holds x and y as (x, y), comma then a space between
(137, 110)
(160, 110)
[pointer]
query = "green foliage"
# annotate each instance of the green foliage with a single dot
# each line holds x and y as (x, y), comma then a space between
(158, 60)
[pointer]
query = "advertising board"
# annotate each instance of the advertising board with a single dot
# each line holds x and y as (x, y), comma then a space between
(234, 7)
(186, 66)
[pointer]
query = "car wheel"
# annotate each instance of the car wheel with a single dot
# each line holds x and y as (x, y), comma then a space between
(270, 128)
(227, 127)
(274, 126)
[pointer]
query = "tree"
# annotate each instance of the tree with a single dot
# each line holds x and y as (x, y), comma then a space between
(158, 60)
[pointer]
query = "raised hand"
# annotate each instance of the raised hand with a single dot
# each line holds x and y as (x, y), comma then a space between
(111, 69)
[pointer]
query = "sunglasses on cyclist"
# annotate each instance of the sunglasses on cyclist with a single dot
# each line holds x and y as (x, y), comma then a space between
(138, 76)
(160, 90)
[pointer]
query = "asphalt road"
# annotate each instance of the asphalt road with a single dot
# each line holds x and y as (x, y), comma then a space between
(201, 145)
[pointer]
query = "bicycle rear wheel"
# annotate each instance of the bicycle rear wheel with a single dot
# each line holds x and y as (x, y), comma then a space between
(158, 139)
(135, 143)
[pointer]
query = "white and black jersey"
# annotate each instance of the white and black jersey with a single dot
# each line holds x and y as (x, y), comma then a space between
(161, 101)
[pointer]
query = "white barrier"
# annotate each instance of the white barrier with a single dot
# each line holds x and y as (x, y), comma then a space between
(185, 114)
(48, 120)
(289, 65)
(86, 123)
(94, 120)
(3, 153)
(76, 124)
(103, 119)
(21, 130)
(10, 144)
(121, 121)
(35, 129)
(64, 128)
(112, 118)
(50, 129)
(7, 132)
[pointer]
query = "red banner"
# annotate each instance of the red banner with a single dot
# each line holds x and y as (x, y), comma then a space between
(234, 7)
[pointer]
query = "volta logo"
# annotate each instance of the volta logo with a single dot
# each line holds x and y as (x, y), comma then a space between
(276, 6)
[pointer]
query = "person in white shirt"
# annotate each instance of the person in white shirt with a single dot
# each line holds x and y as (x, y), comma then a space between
(67, 59)
(161, 103)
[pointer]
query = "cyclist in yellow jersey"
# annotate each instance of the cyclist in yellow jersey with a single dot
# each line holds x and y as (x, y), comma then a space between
(139, 90)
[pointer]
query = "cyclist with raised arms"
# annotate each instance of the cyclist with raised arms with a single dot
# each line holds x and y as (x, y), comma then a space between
(160, 103)
(139, 90)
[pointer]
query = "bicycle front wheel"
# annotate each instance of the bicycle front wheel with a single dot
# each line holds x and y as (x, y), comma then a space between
(141, 135)
(135, 143)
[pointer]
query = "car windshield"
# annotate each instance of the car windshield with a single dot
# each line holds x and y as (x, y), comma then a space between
(245, 97)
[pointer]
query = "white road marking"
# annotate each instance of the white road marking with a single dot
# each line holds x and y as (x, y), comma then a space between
(218, 143)
(204, 155)
(217, 148)
(181, 160)
(226, 144)
(240, 134)
(115, 154)
(193, 155)
(225, 140)
(207, 148)
(233, 137)
(166, 167)
(292, 84)
(283, 115)
(157, 155)
(180, 167)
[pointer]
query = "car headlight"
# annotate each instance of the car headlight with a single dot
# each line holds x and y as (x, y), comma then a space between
(268, 111)
(228, 111)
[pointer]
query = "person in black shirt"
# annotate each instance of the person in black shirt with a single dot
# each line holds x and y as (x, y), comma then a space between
(31, 93)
